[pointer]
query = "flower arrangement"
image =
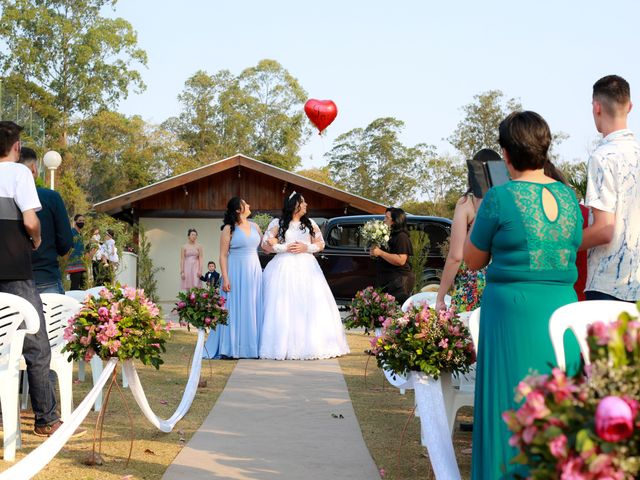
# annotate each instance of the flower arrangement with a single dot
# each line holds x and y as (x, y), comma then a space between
(426, 341)
(375, 233)
(370, 308)
(587, 426)
(120, 323)
(201, 308)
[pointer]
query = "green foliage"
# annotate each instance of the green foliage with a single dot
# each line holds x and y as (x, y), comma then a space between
(75, 60)
(445, 175)
(374, 163)
(418, 261)
(262, 220)
(576, 175)
(319, 174)
(201, 308)
(114, 154)
(258, 113)
(146, 271)
(479, 127)
(442, 208)
(121, 323)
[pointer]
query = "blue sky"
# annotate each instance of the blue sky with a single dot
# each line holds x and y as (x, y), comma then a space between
(418, 61)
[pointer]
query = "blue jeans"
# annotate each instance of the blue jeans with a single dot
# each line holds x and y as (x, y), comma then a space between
(593, 295)
(52, 287)
(37, 355)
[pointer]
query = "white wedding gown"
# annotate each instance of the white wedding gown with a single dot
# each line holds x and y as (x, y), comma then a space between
(301, 318)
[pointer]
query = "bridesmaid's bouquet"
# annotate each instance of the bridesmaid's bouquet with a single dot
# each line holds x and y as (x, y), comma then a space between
(201, 308)
(424, 340)
(375, 233)
(122, 323)
(584, 427)
(370, 308)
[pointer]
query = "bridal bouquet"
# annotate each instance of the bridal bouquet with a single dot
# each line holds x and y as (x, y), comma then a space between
(201, 308)
(375, 233)
(121, 323)
(370, 308)
(584, 427)
(426, 341)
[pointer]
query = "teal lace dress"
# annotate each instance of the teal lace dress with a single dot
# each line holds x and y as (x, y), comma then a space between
(531, 274)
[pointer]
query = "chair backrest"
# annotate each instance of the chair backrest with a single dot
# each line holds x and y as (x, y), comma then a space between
(13, 311)
(577, 317)
(58, 309)
(474, 327)
(424, 297)
(79, 295)
(95, 291)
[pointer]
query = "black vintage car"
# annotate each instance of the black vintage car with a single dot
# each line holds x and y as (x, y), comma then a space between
(347, 265)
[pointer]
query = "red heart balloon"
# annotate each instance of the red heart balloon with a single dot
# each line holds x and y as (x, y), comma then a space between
(321, 112)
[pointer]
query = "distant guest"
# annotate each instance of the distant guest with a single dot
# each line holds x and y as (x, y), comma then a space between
(211, 278)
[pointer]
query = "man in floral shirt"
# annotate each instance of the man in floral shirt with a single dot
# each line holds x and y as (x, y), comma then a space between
(613, 194)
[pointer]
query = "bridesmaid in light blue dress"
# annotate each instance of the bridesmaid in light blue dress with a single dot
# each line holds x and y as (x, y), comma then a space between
(241, 286)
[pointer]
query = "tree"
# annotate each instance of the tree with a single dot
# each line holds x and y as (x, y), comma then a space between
(115, 154)
(69, 54)
(319, 174)
(373, 163)
(444, 174)
(576, 175)
(258, 113)
(479, 127)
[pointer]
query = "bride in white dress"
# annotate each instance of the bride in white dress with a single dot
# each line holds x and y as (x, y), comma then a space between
(301, 318)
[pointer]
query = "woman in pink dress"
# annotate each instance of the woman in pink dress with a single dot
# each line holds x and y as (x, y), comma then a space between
(190, 261)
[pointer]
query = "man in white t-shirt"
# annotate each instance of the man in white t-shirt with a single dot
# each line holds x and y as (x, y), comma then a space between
(20, 235)
(613, 194)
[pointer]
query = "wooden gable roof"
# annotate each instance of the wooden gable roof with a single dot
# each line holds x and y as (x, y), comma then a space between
(204, 192)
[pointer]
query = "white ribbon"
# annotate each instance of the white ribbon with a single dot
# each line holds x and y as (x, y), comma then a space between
(187, 397)
(434, 431)
(41, 456)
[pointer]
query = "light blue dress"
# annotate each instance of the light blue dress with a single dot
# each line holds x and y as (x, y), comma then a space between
(240, 337)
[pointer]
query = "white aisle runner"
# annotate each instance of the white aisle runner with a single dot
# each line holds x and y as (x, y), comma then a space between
(279, 420)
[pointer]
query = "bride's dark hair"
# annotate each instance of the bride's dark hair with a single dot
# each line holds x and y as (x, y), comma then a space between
(232, 215)
(290, 206)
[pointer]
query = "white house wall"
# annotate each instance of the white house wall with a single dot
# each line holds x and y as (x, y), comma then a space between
(166, 236)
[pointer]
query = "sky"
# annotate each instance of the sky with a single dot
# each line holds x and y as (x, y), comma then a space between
(417, 61)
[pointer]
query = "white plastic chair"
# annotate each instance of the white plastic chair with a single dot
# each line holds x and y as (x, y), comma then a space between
(13, 311)
(578, 316)
(461, 393)
(424, 297)
(58, 309)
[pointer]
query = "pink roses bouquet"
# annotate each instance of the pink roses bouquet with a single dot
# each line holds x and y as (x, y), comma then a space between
(201, 308)
(426, 341)
(586, 427)
(370, 308)
(120, 323)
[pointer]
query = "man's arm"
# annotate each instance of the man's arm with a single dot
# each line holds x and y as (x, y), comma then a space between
(32, 226)
(600, 232)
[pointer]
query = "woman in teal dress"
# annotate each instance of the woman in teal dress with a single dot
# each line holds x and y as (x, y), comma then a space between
(530, 229)
(241, 286)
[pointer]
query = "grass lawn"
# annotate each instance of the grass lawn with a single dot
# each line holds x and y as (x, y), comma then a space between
(383, 413)
(153, 450)
(381, 410)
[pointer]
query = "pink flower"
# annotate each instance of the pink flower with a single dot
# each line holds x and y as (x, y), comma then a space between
(114, 345)
(103, 311)
(601, 331)
(192, 297)
(614, 419)
(529, 434)
(207, 321)
(156, 345)
(181, 305)
(533, 408)
(105, 293)
(558, 446)
(444, 343)
(85, 341)
(571, 469)
(89, 355)
(69, 334)
(130, 293)
(205, 295)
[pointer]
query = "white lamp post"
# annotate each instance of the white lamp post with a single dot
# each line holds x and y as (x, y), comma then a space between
(52, 160)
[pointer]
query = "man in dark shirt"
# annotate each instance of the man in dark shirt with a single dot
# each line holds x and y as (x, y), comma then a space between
(75, 267)
(55, 229)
